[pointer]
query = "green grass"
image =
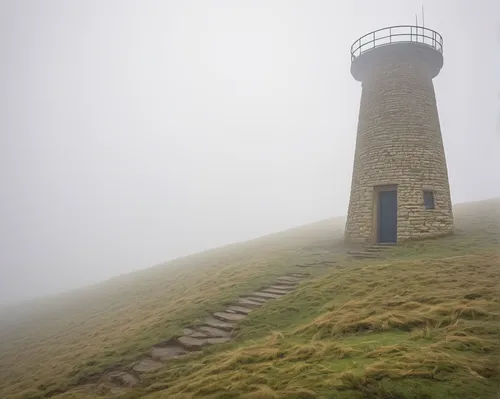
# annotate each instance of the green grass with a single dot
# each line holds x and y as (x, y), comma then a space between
(77, 335)
(396, 329)
(424, 323)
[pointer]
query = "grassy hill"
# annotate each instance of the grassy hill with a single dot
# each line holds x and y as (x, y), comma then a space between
(422, 323)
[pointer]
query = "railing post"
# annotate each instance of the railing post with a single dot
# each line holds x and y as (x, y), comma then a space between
(373, 39)
(390, 34)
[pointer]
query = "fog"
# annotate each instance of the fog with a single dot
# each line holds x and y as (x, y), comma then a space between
(133, 132)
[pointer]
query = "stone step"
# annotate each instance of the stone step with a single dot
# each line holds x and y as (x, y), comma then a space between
(320, 263)
(275, 291)
(377, 249)
(281, 287)
(224, 316)
(361, 251)
(187, 331)
(364, 254)
(198, 334)
(248, 302)
(289, 279)
(192, 343)
(198, 343)
(214, 332)
(286, 283)
(147, 364)
(300, 275)
(266, 295)
(259, 299)
(239, 309)
(192, 333)
(122, 379)
(168, 352)
(212, 322)
(117, 390)
(371, 250)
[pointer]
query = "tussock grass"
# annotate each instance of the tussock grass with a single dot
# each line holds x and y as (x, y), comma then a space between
(374, 345)
(419, 295)
(55, 343)
(424, 323)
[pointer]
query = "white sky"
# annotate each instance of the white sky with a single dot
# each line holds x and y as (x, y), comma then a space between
(133, 132)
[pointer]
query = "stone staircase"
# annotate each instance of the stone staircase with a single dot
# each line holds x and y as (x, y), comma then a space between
(215, 329)
(370, 251)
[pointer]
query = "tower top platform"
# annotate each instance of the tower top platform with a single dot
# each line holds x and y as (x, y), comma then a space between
(424, 43)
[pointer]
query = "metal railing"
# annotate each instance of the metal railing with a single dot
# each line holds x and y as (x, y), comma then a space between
(397, 34)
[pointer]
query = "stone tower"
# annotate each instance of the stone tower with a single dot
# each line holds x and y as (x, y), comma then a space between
(399, 188)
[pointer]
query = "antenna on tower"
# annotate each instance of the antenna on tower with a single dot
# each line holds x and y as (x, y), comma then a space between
(416, 28)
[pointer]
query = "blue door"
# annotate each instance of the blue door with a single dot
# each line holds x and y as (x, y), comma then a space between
(388, 216)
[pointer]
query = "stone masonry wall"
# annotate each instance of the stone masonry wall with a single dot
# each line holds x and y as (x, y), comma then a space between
(399, 143)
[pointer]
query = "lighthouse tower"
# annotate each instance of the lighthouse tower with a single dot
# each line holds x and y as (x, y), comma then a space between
(399, 188)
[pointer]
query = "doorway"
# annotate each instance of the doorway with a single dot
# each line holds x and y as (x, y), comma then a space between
(387, 216)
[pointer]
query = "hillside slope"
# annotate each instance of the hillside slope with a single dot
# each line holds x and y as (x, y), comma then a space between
(422, 323)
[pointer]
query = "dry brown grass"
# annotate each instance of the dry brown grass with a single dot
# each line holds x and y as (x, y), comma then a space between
(436, 335)
(54, 341)
(424, 324)
(417, 296)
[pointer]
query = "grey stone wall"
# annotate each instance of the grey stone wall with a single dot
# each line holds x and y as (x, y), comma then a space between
(399, 143)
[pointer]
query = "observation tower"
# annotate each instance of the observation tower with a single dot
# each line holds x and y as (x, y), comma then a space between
(399, 188)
